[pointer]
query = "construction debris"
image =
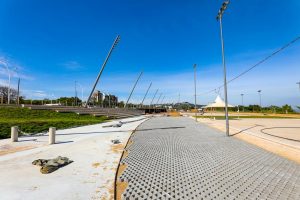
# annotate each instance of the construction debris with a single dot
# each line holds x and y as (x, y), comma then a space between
(50, 165)
(116, 141)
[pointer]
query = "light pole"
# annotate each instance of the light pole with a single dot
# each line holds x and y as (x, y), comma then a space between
(298, 84)
(195, 84)
(161, 102)
(75, 100)
(146, 94)
(219, 17)
(133, 89)
(9, 78)
(153, 97)
(81, 92)
(242, 95)
(158, 98)
(102, 68)
(259, 93)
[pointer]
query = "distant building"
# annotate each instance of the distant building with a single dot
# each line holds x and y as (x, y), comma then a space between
(105, 100)
(110, 100)
(97, 97)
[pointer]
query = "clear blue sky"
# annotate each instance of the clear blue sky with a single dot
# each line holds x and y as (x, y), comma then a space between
(56, 42)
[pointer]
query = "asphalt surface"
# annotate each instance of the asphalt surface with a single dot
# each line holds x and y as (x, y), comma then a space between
(177, 158)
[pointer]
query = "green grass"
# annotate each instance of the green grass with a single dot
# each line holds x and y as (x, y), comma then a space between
(244, 117)
(36, 121)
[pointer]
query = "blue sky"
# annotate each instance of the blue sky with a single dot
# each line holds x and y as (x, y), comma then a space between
(53, 43)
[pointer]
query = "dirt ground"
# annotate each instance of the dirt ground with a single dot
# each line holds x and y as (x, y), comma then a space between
(280, 136)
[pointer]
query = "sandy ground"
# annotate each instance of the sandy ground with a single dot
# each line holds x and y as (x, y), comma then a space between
(90, 176)
(213, 113)
(252, 131)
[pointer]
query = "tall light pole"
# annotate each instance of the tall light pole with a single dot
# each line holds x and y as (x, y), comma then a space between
(298, 84)
(242, 95)
(219, 17)
(81, 92)
(195, 84)
(153, 97)
(259, 92)
(75, 99)
(158, 98)
(146, 94)
(18, 89)
(102, 68)
(137, 80)
(9, 78)
(162, 99)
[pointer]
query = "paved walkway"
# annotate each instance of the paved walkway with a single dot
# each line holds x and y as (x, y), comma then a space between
(90, 176)
(176, 158)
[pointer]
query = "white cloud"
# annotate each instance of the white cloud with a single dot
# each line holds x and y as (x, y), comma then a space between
(72, 65)
(8, 66)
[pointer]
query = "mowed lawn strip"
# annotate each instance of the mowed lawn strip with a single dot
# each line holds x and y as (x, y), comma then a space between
(36, 121)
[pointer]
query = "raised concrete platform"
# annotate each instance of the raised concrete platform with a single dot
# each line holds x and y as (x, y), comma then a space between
(177, 158)
(90, 176)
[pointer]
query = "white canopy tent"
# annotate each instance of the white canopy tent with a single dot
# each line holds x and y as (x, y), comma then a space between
(219, 103)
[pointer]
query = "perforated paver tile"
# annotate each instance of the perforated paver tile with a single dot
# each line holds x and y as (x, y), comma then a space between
(177, 158)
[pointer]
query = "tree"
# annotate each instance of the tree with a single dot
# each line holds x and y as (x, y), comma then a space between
(4, 92)
(69, 101)
(287, 109)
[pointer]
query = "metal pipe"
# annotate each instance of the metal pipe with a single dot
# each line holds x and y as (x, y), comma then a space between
(102, 68)
(133, 89)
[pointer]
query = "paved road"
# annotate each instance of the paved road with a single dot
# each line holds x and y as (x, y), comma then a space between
(175, 158)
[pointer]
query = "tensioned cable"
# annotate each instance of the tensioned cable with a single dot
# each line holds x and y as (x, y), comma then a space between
(257, 64)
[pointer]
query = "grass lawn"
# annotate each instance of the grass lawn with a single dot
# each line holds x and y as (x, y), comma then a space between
(36, 121)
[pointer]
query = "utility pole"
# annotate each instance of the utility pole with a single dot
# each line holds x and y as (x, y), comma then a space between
(133, 89)
(146, 94)
(219, 18)
(102, 68)
(195, 83)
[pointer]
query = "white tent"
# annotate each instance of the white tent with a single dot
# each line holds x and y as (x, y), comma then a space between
(219, 103)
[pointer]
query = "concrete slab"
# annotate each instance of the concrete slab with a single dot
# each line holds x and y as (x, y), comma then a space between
(90, 176)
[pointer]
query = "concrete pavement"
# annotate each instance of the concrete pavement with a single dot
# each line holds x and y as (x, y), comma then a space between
(90, 176)
(177, 158)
